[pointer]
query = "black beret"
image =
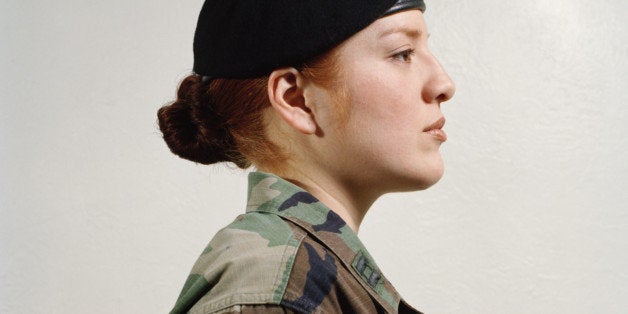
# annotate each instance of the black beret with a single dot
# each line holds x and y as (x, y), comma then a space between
(251, 38)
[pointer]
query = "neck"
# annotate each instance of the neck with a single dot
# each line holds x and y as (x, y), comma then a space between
(348, 201)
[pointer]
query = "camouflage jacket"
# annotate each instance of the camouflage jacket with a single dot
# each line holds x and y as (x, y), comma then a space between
(288, 254)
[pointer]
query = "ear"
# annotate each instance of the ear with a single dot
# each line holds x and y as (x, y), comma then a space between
(285, 91)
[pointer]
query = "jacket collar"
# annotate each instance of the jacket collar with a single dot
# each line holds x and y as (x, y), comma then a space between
(271, 194)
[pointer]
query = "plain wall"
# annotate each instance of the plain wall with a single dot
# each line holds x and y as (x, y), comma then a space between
(97, 216)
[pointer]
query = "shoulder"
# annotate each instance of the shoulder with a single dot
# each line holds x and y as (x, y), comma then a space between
(247, 262)
(263, 260)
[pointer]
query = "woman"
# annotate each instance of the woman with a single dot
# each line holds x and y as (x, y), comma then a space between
(336, 103)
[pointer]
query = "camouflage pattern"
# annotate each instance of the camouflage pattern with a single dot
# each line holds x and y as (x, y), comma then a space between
(288, 254)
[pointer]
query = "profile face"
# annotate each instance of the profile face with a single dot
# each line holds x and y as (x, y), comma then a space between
(394, 88)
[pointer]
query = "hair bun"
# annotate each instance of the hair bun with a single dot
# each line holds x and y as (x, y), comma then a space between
(191, 128)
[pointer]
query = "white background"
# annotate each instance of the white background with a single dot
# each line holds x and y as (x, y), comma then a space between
(97, 216)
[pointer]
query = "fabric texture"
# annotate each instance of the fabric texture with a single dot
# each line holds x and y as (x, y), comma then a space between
(288, 253)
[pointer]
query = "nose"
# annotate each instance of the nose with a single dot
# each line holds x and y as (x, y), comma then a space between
(439, 87)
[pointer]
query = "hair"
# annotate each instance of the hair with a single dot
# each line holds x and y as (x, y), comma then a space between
(223, 120)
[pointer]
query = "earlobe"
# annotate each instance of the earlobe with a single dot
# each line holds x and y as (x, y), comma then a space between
(285, 91)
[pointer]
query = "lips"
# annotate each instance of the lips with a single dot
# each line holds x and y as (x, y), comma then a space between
(435, 130)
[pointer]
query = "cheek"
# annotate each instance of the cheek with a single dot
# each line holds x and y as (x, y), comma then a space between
(381, 128)
(383, 110)
(390, 109)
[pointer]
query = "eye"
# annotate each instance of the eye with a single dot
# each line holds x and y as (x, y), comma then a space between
(404, 56)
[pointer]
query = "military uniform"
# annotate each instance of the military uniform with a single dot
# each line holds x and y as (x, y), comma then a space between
(288, 254)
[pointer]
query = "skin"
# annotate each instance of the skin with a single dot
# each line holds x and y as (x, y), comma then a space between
(393, 90)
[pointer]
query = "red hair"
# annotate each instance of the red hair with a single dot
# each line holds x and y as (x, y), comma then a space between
(223, 120)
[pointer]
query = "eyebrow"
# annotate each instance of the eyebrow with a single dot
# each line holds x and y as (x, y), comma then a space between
(410, 32)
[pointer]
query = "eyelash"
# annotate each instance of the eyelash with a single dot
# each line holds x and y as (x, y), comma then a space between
(404, 56)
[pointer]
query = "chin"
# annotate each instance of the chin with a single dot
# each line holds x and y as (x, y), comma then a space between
(421, 178)
(426, 182)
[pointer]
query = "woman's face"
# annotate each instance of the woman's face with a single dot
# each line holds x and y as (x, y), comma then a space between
(393, 90)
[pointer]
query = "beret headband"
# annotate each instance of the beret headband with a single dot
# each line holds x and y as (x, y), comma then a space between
(250, 38)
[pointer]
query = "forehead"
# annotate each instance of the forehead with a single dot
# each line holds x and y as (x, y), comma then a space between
(405, 24)
(409, 23)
